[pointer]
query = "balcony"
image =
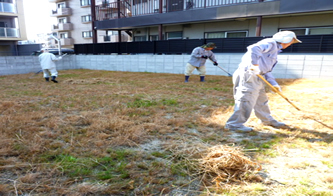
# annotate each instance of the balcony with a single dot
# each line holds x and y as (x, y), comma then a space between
(66, 41)
(8, 8)
(9, 32)
(63, 27)
(62, 12)
(125, 8)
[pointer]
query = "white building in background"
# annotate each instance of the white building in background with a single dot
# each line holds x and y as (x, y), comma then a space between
(74, 23)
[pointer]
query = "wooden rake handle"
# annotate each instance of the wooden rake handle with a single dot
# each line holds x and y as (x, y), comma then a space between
(277, 91)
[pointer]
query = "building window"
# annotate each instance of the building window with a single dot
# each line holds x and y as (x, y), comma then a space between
(311, 30)
(86, 18)
(140, 38)
(153, 38)
(62, 20)
(225, 34)
(85, 2)
(175, 35)
(63, 35)
(87, 34)
(61, 5)
(215, 35)
(236, 34)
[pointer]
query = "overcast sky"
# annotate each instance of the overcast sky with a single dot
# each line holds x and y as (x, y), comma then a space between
(37, 17)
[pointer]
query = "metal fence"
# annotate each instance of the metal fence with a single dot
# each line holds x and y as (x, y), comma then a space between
(126, 8)
(311, 44)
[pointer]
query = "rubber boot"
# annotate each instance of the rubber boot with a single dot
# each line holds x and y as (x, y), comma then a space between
(202, 78)
(47, 79)
(186, 78)
(54, 79)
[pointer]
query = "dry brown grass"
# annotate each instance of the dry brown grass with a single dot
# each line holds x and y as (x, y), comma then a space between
(122, 133)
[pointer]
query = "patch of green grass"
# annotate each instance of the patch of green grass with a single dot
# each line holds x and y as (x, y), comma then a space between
(169, 102)
(159, 154)
(248, 144)
(69, 75)
(180, 168)
(111, 167)
(211, 138)
(270, 153)
(328, 163)
(271, 143)
(141, 103)
(73, 166)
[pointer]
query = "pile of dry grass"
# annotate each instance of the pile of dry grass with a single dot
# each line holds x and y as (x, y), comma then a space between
(223, 164)
(217, 166)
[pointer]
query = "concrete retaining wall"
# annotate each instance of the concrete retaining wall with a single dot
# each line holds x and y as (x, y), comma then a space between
(290, 65)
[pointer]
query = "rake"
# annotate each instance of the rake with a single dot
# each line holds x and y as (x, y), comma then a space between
(278, 92)
(225, 71)
(35, 74)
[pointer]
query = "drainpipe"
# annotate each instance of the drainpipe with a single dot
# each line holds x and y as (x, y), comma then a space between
(259, 23)
(258, 27)
(160, 32)
(160, 27)
(119, 15)
(93, 18)
(118, 5)
(119, 35)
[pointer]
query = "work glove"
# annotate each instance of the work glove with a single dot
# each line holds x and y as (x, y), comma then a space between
(278, 88)
(215, 63)
(255, 69)
(204, 56)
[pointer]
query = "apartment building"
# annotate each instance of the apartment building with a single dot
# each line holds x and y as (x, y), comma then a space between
(150, 20)
(74, 23)
(12, 26)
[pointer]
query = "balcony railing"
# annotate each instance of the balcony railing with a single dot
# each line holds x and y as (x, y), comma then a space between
(66, 41)
(62, 12)
(126, 8)
(63, 27)
(8, 7)
(9, 32)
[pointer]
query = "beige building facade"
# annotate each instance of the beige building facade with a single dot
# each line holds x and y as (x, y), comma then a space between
(12, 26)
(74, 23)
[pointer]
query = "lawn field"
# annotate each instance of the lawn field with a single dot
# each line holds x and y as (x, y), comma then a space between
(125, 133)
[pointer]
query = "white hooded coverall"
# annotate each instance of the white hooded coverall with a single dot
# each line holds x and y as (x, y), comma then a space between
(47, 62)
(249, 89)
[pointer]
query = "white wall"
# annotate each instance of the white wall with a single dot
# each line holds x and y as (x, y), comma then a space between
(289, 66)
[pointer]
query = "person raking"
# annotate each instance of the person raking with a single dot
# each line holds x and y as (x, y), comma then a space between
(249, 89)
(198, 59)
(47, 62)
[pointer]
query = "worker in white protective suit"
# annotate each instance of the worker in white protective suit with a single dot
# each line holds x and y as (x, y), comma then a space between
(198, 59)
(47, 62)
(249, 91)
